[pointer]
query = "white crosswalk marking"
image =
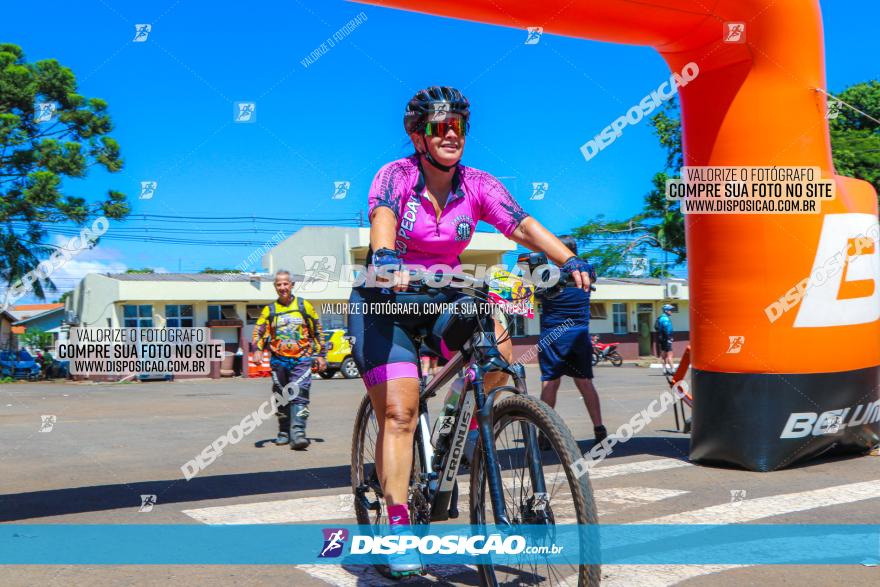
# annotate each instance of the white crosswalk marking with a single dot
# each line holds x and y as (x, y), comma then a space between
(605, 471)
(302, 510)
(733, 513)
(764, 507)
(609, 501)
(332, 507)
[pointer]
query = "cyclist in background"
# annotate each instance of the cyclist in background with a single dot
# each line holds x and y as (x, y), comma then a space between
(663, 326)
(295, 337)
(423, 211)
(565, 349)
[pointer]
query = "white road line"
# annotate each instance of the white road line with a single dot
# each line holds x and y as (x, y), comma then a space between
(339, 507)
(622, 498)
(603, 472)
(287, 511)
(748, 510)
(764, 507)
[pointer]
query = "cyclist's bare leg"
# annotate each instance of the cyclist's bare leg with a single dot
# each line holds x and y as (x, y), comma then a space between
(396, 403)
(668, 362)
(591, 398)
(548, 391)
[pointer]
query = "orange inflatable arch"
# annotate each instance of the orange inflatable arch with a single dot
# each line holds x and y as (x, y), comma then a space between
(791, 392)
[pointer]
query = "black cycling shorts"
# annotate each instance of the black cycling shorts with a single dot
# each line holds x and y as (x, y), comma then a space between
(383, 345)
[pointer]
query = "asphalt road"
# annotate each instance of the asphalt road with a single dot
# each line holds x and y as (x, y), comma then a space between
(111, 443)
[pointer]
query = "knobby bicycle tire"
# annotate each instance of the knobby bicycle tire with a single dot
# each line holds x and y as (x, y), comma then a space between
(547, 421)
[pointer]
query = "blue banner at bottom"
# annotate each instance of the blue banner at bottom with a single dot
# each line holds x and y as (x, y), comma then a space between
(750, 544)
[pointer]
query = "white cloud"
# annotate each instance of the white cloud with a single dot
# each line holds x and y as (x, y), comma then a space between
(99, 259)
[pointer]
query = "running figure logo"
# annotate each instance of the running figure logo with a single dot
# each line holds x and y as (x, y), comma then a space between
(148, 190)
(638, 266)
(737, 495)
(340, 189)
(833, 107)
(734, 32)
(441, 110)
(534, 36)
(245, 112)
(334, 541)
(539, 190)
(319, 271)
(45, 112)
(147, 502)
(47, 423)
(736, 344)
(141, 32)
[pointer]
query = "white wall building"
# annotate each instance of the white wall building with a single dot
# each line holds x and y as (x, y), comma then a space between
(622, 310)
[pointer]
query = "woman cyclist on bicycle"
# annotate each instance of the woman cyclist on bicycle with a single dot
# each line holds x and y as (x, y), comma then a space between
(423, 211)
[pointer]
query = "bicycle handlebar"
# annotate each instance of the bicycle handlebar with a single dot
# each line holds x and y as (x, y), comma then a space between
(465, 280)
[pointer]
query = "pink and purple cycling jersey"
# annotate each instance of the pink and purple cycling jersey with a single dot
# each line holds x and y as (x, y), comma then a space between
(422, 237)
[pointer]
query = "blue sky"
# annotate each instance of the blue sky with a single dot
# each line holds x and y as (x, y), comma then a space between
(339, 119)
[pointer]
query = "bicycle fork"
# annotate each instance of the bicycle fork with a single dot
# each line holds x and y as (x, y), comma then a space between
(493, 467)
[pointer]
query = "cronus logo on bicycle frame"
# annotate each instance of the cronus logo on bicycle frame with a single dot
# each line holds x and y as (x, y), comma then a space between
(464, 420)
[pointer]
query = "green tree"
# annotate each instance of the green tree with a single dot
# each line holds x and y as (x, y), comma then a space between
(36, 339)
(660, 224)
(855, 137)
(35, 157)
(144, 270)
(212, 270)
(855, 150)
(63, 298)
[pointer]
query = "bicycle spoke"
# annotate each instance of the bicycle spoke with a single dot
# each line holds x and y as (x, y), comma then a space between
(521, 502)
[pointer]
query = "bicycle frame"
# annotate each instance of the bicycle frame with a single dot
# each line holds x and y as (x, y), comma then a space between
(481, 356)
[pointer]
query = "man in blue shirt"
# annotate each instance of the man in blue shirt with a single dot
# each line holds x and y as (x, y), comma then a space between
(663, 326)
(565, 347)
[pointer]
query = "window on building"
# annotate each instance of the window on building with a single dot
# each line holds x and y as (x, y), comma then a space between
(137, 316)
(330, 321)
(253, 312)
(517, 325)
(222, 312)
(619, 314)
(598, 311)
(179, 315)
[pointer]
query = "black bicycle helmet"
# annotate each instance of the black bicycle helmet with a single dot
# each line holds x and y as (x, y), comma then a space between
(434, 104)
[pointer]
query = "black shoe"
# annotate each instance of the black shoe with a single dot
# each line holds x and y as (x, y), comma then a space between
(299, 442)
(600, 432)
(282, 438)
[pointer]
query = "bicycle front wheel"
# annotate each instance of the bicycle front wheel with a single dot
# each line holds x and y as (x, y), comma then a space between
(567, 499)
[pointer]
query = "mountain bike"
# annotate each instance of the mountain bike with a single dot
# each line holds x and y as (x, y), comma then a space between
(512, 482)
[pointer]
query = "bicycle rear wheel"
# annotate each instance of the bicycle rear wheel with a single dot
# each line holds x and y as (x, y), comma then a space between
(568, 499)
